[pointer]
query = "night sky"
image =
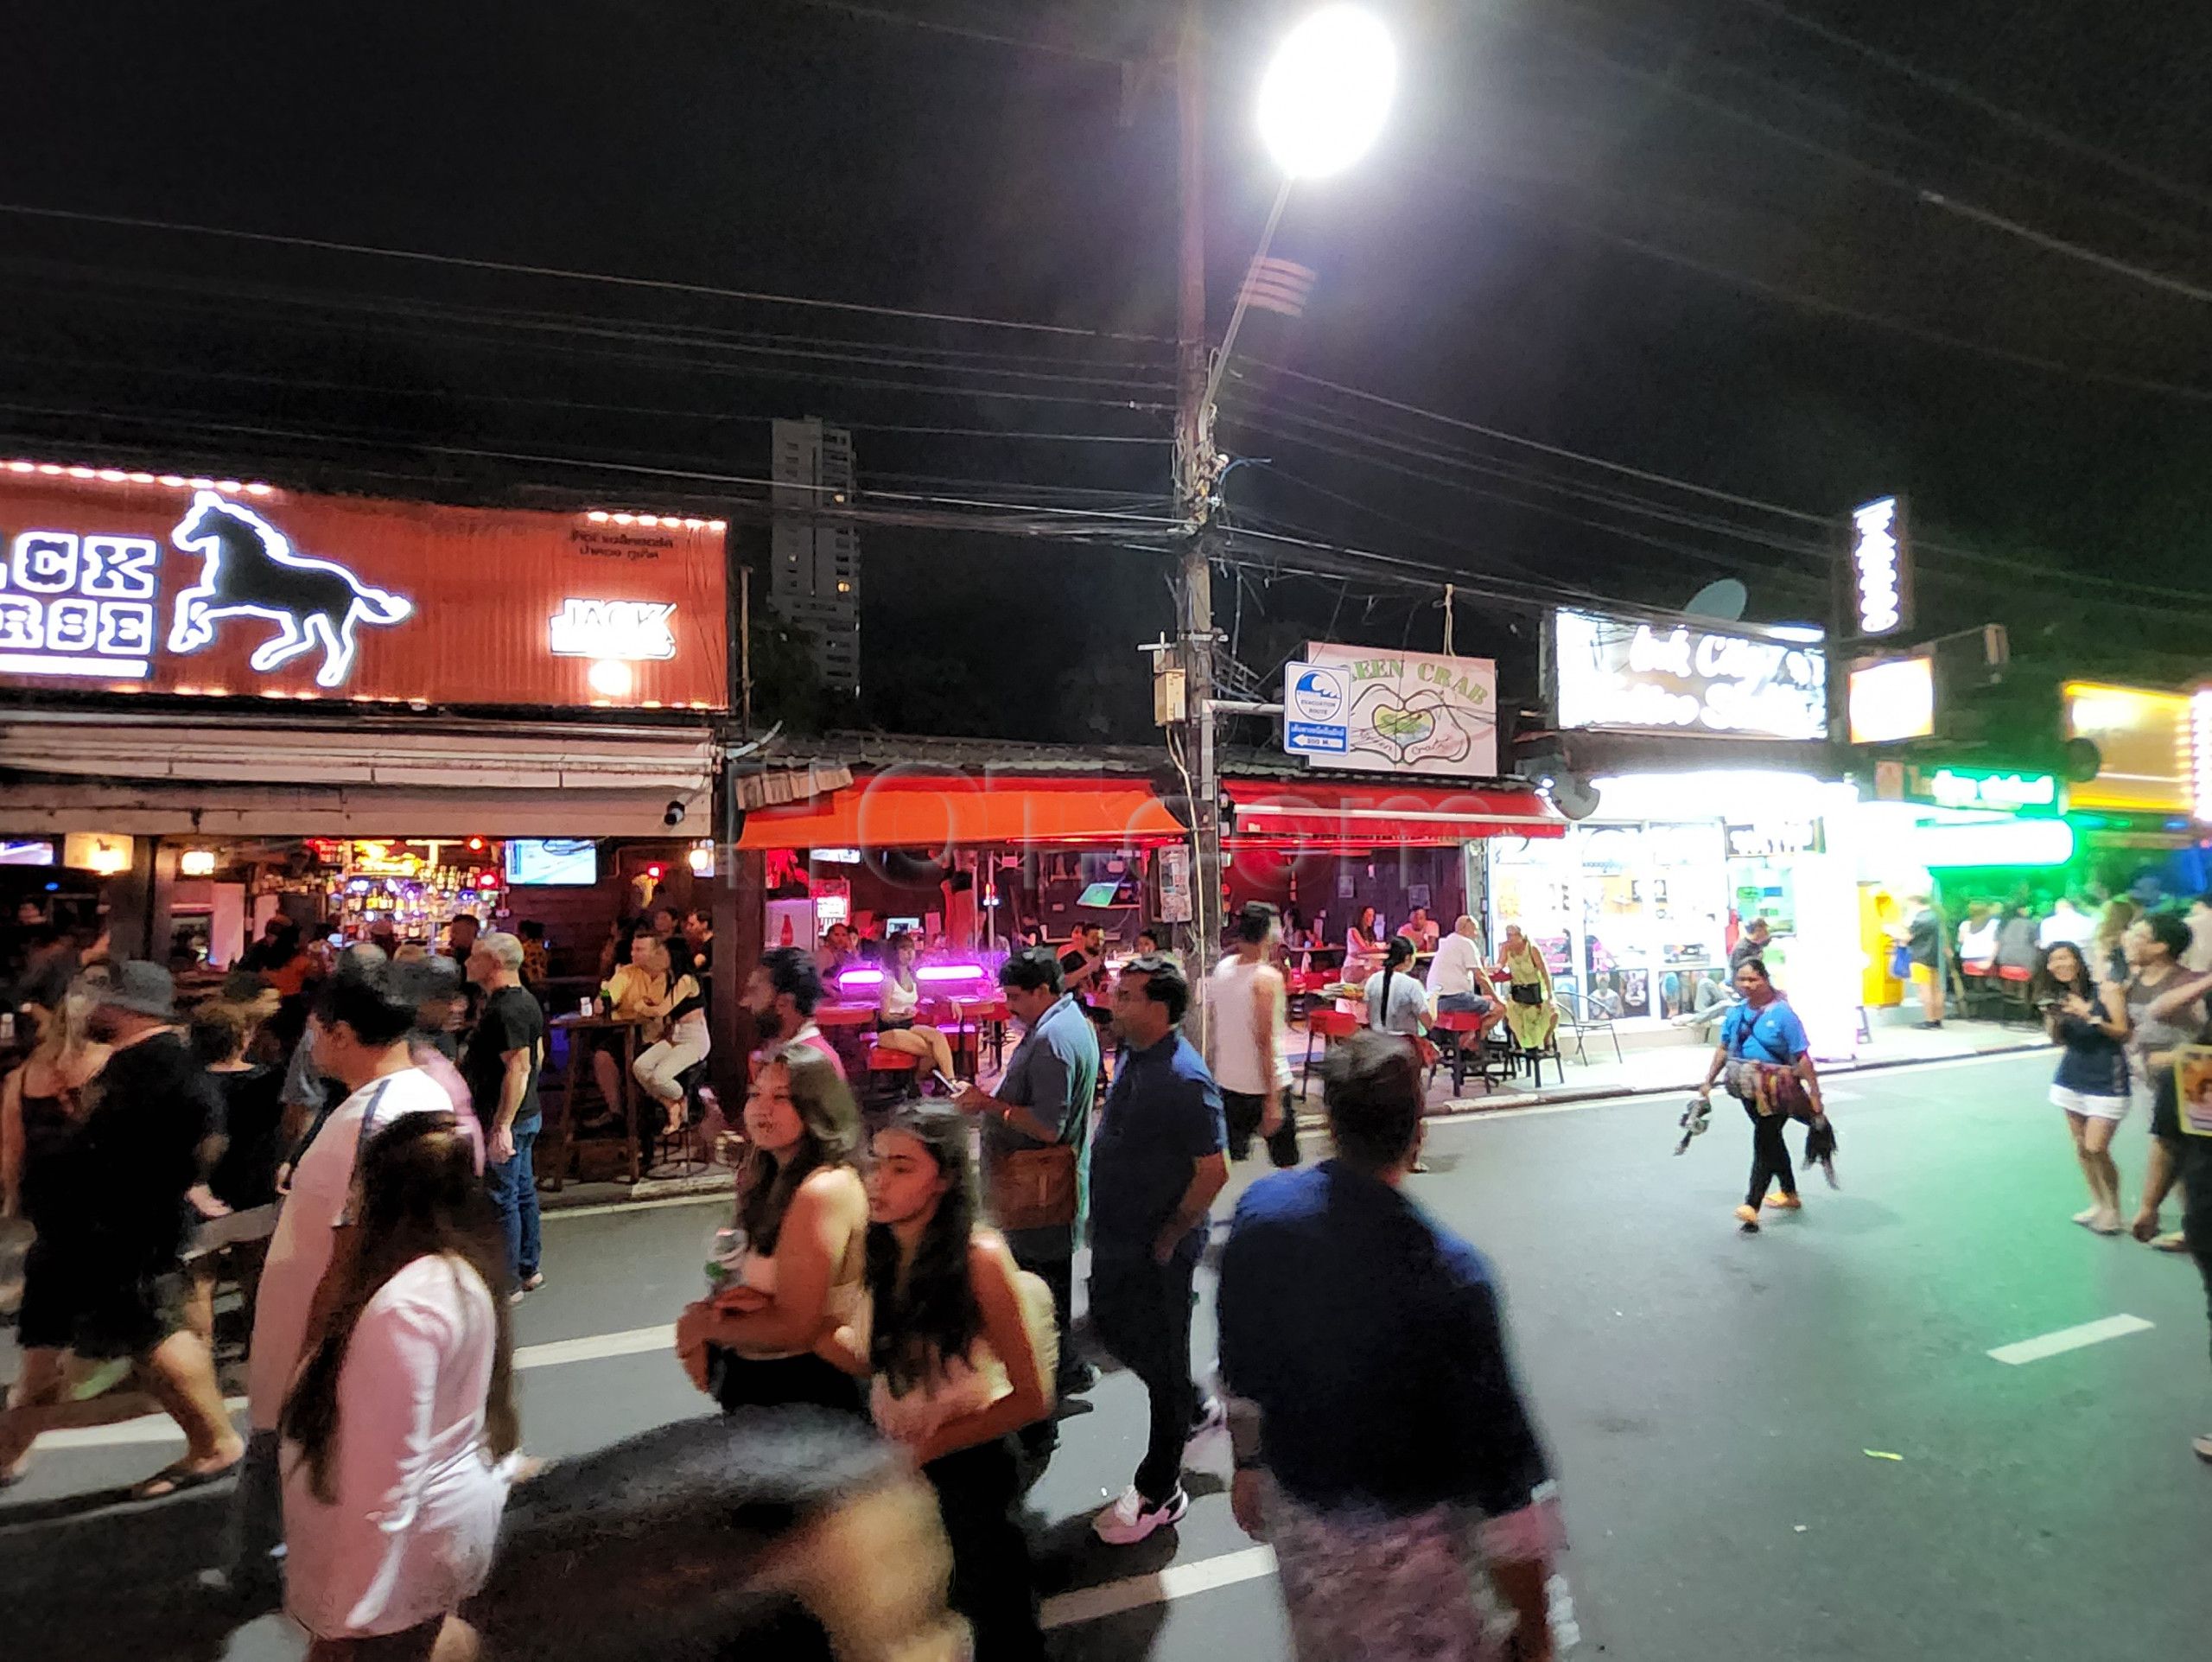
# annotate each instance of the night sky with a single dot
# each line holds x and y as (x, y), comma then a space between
(1683, 236)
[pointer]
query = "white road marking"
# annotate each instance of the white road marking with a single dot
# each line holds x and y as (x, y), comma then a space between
(602, 1208)
(630, 1342)
(2066, 1339)
(1181, 1580)
(159, 1428)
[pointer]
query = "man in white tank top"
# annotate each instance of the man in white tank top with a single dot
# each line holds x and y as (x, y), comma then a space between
(1245, 994)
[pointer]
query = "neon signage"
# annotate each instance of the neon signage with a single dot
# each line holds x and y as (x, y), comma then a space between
(251, 569)
(629, 630)
(1976, 788)
(1880, 566)
(73, 605)
(1621, 673)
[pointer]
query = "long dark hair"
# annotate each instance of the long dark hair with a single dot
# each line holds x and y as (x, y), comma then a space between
(933, 1315)
(1395, 957)
(420, 1197)
(831, 1135)
(2048, 985)
(894, 971)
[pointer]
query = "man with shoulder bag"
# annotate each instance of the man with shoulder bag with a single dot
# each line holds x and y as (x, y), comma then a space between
(1036, 1124)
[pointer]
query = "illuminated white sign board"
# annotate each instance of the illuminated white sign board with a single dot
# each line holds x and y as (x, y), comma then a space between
(629, 630)
(1881, 567)
(1893, 700)
(1618, 673)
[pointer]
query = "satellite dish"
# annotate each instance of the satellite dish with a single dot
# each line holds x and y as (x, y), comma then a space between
(1574, 796)
(1723, 598)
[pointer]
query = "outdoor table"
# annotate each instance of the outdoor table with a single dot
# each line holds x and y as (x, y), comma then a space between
(577, 1027)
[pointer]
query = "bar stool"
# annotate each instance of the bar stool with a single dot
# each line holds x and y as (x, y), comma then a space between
(1329, 1025)
(1460, 1023)
(884, 1068)
(677, 1153)
(2016, 996)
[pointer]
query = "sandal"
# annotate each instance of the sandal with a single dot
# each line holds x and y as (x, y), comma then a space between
(176, 1479)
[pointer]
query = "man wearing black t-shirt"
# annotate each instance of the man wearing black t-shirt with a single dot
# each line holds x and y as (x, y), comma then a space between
(506, 1054)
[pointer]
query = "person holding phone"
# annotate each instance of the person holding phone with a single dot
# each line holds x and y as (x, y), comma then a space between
(2091, 1084)
(899, 1000)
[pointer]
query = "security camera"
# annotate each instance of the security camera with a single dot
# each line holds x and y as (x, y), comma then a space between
(672, 815)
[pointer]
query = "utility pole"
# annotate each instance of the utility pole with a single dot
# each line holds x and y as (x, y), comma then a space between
(1195, 464)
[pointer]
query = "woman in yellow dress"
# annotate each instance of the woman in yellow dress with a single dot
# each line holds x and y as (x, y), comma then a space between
(1528, 1010)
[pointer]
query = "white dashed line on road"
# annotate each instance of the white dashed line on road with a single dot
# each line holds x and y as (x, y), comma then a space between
(2066, 1339)
(1181, 1580)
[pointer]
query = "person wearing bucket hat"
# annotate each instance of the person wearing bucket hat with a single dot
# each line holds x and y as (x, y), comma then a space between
(149, 1135)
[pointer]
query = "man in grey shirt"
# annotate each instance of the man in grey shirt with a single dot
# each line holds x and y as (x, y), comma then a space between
(1044, 1098)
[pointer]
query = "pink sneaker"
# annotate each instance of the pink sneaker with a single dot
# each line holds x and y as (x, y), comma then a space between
(1129, 1520)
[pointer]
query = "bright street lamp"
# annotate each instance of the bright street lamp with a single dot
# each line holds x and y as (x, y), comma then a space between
(1323, 101)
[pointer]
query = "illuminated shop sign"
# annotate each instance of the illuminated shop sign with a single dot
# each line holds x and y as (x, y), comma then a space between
(2032, 794)
(1881, 567)
(632, 630)
(2144, 739)
(1620, 673)
(125, 581)
(1893, 700)
(1774, 840)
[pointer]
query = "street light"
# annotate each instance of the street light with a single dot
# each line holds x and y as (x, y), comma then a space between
(1323, 101)
(1322, 104)
(1325, 94)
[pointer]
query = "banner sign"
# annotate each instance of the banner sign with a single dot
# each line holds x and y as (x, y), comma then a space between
(117, 582)
(1411, 712)
(1881, 568)
(1616, 673)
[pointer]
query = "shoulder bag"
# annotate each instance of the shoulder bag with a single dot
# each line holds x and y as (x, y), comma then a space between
(1033, 1188)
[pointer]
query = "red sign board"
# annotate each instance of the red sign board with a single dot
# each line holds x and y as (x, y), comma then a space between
(146, 582)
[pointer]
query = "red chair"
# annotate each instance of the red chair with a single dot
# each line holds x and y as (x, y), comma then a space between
(886, 1069)
(1330, 1027)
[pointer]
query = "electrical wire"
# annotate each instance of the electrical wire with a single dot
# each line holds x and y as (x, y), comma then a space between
(906, 20)
(1988, 107)
(515, 268)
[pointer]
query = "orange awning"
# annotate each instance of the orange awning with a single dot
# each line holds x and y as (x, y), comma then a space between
(1319, 815)
(906, 811)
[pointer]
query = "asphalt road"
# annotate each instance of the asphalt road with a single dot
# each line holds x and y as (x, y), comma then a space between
(1720, 1409)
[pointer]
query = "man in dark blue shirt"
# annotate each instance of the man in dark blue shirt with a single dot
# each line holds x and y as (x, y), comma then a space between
(1373, 1407)
(1156, 1164)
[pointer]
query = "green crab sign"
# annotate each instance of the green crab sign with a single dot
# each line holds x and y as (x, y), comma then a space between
(1415, 712)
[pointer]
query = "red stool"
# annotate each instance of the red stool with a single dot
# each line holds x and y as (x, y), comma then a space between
(885, 1067)
(2015, 992)
(1328, 1026)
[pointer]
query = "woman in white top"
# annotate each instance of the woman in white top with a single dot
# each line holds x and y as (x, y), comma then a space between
(1396, 999)
(900, 997)
(398, 1425)
(948, 1336)
(680, 1008)
(1363, 947)
(768, 1338)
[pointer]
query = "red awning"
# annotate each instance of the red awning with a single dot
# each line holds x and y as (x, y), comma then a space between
(909, 811)
(1326, 813)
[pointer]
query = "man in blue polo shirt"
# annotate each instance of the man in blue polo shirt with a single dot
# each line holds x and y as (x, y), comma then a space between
(1156, 1164)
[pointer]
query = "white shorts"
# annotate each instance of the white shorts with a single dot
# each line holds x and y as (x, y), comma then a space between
(2076, 1102)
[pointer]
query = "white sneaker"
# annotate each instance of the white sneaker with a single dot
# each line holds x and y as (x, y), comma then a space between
(1211, 1417)
(1129, 1520)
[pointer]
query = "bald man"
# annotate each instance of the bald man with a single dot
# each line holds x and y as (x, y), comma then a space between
(1456, 980)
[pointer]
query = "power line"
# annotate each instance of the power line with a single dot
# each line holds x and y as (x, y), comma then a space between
(1988, 107)
(906, 20)
(1868, 170)
(512, 268)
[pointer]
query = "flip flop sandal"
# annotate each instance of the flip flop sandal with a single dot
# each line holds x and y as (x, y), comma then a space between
(176, 1479)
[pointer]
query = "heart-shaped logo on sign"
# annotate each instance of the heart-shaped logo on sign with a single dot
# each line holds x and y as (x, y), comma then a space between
(1402, 726)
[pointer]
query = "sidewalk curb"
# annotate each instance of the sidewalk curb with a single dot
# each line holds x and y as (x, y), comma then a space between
(1468, 1108)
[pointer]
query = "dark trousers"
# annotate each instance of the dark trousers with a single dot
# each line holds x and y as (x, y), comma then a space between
(1055, 1267)
(2202, 1252)
(512, 1186)
(1240, 1114)
(1770, 1156)
(1141, 1313)
(976, 1492)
